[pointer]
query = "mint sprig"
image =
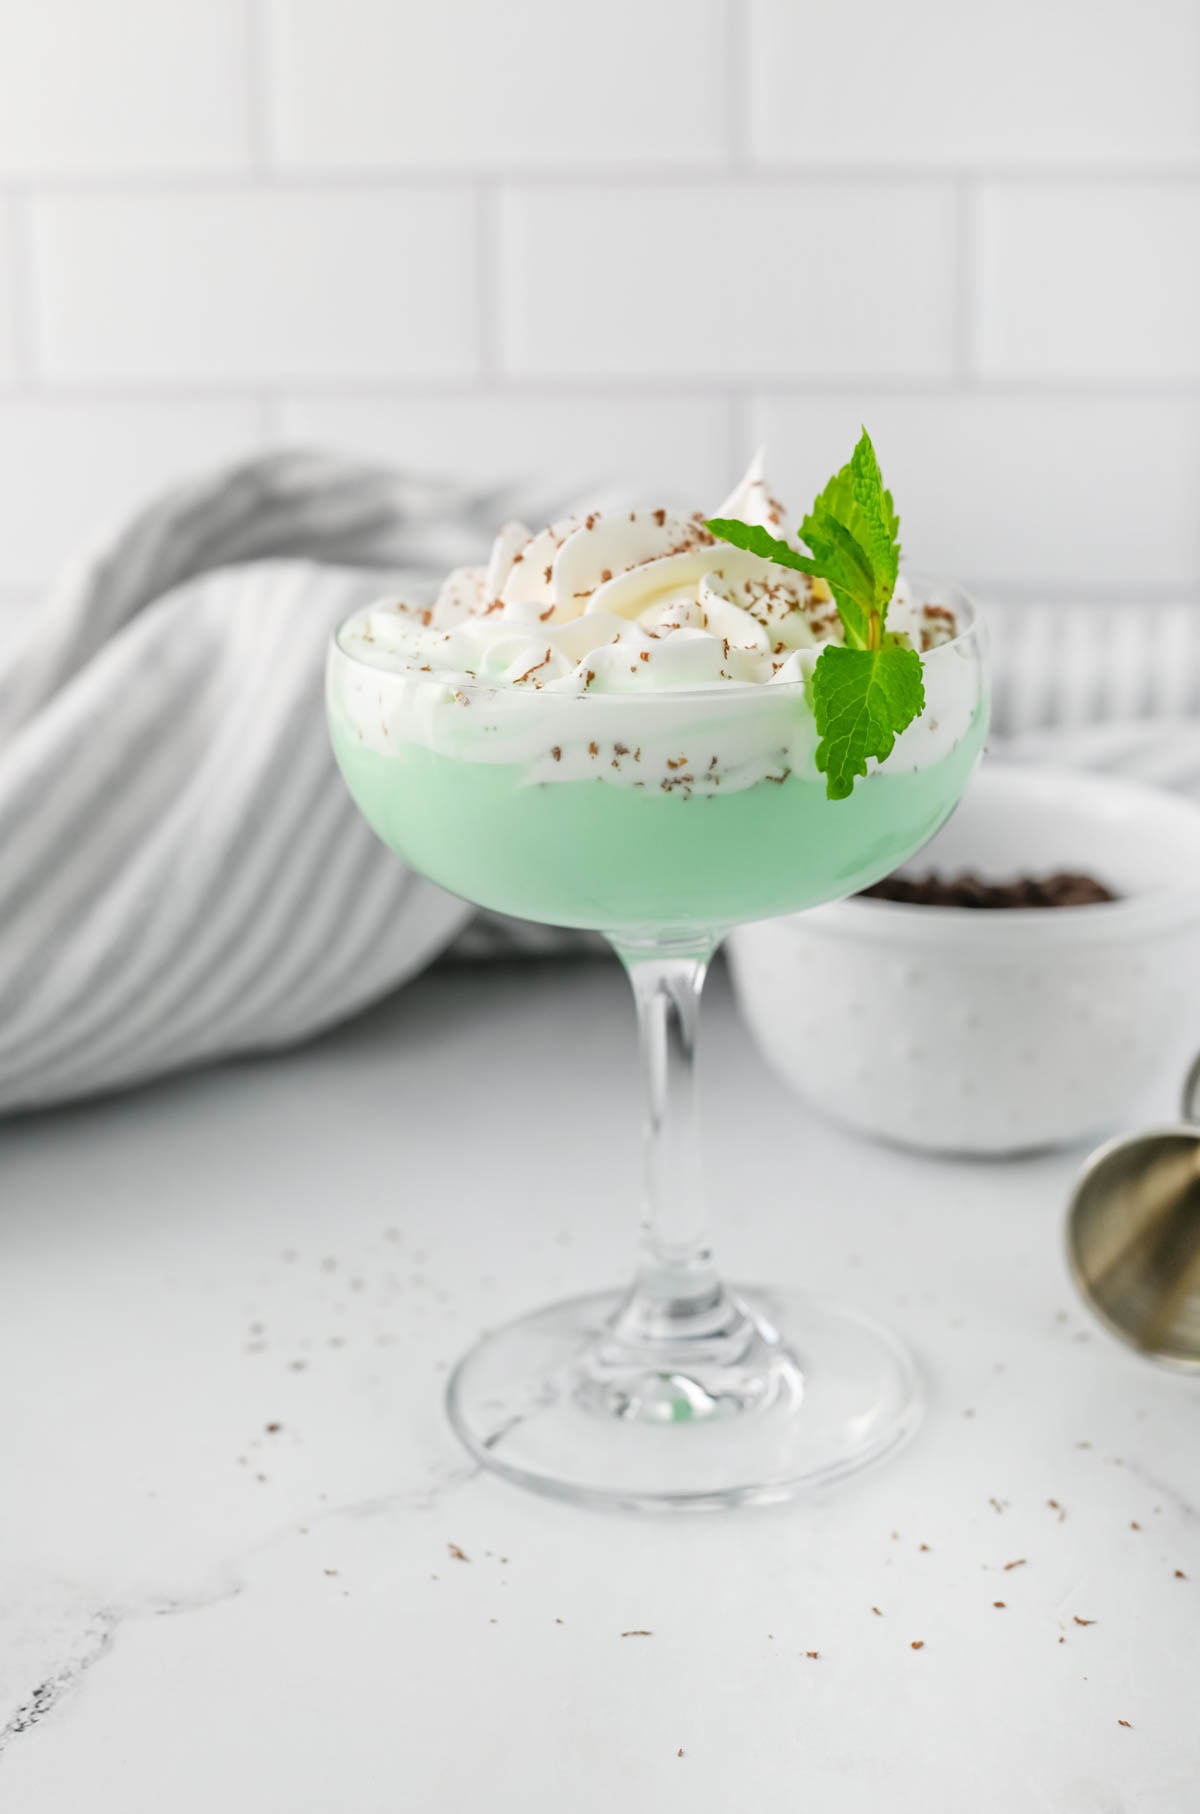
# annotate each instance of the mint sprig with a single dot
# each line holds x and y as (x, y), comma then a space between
(862, 700)
(866, 693)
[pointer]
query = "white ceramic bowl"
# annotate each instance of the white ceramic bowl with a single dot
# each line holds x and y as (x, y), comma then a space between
(968, 1030)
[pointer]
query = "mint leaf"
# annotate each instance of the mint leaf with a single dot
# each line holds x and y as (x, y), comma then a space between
(852, 529)
(866, 693)
(845, 566)
(862, 700)
(757, 540)
(856, 500)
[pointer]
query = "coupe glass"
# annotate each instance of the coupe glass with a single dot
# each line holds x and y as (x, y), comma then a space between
(606, 811)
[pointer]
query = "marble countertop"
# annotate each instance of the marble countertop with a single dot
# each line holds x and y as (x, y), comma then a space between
(227, 1309)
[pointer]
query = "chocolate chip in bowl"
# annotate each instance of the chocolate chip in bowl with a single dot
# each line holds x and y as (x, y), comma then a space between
(968, 890)
(1031, 979)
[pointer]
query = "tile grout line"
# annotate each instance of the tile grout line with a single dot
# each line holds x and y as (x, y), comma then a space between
(966, 291)
(256, 88)
(401, 180)
(489, 328)
(737, 431)
(500, 386)
(737, 87)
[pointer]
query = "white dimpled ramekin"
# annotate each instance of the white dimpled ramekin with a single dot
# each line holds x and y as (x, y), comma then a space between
(975, 1031)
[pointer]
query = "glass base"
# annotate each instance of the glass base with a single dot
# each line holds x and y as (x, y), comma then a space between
(561, 1401)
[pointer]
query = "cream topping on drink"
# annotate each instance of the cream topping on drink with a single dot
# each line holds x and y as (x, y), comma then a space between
(620, 605)
(629, 602)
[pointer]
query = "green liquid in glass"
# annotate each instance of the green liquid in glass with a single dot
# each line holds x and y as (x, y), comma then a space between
(617, 859)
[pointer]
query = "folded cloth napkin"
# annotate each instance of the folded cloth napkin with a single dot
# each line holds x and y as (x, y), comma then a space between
(184, 875)
(1164, 752)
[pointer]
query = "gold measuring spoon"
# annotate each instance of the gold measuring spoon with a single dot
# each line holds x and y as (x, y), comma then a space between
(1133, 1236)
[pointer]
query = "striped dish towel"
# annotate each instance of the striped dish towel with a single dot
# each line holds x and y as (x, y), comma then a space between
(184, 875)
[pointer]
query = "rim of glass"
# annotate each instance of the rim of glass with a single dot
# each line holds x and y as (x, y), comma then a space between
(723, 689)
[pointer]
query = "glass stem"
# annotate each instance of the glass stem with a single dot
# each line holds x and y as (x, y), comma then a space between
(677, 1293)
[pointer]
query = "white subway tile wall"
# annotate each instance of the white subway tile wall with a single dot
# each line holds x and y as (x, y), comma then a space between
(83, 464)
(931, 82)
(140, 87)
(726, 279)
(618, 246)
(212, 285)
(1075, 492)
(1090, 282)
(556, 445)
(461, 84)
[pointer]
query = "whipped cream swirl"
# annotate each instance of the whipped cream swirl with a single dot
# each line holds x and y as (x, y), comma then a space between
(613, 606)
(641, 600)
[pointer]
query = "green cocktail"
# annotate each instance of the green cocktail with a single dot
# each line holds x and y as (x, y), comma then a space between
(614, 727)
(621, 859)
